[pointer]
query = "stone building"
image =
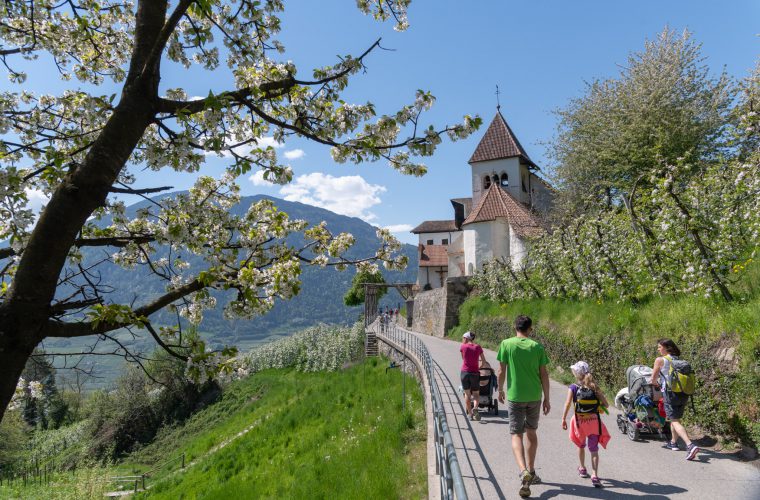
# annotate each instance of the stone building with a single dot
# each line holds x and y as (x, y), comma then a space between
(496, 222)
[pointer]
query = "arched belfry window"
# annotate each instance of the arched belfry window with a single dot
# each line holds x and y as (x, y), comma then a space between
(496, 179)
(487, 182)
(504, 179)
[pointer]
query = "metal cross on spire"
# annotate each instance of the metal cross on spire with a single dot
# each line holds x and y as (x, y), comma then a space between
(498, 104)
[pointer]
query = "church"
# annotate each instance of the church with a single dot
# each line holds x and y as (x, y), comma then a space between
(496, 222)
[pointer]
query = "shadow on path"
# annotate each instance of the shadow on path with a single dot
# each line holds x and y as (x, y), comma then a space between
(648, 490)
(457, 406)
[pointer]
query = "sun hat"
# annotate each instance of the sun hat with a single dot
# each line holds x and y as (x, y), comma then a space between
(467, 335)
(581, 368)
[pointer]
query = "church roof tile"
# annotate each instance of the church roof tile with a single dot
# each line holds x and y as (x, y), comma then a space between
(435, 226)
(496, 202)
(434, 256)
(499, 142)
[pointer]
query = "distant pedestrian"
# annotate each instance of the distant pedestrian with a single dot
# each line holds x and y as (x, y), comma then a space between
(523, 363)
(674, 398)
(472, 355)
(586, 424)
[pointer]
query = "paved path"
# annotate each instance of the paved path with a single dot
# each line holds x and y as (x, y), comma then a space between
(628, 469)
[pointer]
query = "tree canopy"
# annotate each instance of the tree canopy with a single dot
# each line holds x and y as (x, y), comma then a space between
(81, 148)
(364, 274)
(664, 106)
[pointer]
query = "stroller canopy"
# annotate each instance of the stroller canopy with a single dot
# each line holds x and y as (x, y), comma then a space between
(637, 376)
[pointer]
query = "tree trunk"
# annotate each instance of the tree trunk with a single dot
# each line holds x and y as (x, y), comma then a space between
(26, 309)
(18, 338)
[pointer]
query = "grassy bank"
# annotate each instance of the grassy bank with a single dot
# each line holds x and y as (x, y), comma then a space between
(721, 340)
(310, 435)
(319, 435)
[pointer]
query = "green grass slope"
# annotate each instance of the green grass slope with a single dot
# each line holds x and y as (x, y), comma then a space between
(278, 434)
(312, 435)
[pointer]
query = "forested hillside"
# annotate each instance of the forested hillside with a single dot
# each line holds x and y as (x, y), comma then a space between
(320, 299)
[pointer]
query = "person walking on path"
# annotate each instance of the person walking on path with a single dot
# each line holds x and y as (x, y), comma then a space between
(472, 354)
(586, 424)
(522, 361)
(674, 402)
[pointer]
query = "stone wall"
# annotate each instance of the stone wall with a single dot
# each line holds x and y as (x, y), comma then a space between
(437, 311)
(429, 312)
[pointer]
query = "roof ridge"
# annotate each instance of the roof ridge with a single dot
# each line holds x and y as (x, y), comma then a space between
(499, 142)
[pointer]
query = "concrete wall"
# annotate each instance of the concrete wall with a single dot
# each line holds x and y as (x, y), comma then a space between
(437, 311)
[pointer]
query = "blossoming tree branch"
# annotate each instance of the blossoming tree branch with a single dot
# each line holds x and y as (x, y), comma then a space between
(80, 148)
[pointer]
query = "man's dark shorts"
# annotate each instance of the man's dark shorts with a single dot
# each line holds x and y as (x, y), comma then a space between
(522, 415)
(470, 381)
(674, 404)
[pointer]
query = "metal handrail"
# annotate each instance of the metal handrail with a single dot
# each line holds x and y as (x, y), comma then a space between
(446, 462)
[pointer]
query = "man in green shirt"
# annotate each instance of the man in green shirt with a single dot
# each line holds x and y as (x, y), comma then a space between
(524, 360)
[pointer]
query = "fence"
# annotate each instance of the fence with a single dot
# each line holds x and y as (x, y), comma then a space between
(446, 463)
(139, 481)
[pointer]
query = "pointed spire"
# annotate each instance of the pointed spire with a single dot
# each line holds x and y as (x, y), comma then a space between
(499, 142)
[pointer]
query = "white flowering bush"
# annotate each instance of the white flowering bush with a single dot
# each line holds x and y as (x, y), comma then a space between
(323, 347)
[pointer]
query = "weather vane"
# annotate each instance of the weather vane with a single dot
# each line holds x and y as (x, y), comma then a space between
(498, 104)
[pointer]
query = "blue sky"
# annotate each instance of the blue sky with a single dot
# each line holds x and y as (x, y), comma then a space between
(539, 53)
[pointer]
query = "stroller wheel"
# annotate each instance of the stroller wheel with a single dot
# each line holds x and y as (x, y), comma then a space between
(495, 407)
(621, 423)
(632, 431)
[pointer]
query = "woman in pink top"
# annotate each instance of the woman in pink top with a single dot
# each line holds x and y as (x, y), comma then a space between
(472, 355)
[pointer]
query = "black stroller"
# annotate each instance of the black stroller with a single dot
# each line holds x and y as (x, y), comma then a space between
(487, 388)
(639, 404)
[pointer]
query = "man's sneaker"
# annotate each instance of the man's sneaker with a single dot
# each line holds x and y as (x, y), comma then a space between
(476, 415)
(536, 479)
(672, 446)
(691, 451)
(525, 479)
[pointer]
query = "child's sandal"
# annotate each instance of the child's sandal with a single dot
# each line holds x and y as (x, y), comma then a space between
(596, 482)
(582, 472)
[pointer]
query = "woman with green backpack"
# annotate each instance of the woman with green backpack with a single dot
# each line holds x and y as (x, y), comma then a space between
(676, 380)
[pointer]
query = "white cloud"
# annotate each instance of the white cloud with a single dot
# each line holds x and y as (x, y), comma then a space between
(258, 179)
(399, 228)
(294, 154)
(37, 199)
(348, 195)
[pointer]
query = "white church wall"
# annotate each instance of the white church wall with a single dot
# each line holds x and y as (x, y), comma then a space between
(518, 249)
(431, 276)
(456, 255)
(470, 241)
(499, 240)
(437, 237)
(542, 195)
(510, 166)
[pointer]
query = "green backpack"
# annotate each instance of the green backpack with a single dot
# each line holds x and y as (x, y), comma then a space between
(681, 376)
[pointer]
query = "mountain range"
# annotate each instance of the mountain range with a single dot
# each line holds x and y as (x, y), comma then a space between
(319, 301)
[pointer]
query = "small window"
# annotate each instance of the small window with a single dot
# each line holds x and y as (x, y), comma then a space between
(504, 180)
(429, 242)
(487, 182)
(445, 241)
(496, 179)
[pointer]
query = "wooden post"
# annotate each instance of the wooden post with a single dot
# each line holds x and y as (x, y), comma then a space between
(143, 481)
(183, 460)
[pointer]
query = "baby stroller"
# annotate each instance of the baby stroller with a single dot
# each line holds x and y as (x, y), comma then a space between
(638, 402)
(487, 388)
